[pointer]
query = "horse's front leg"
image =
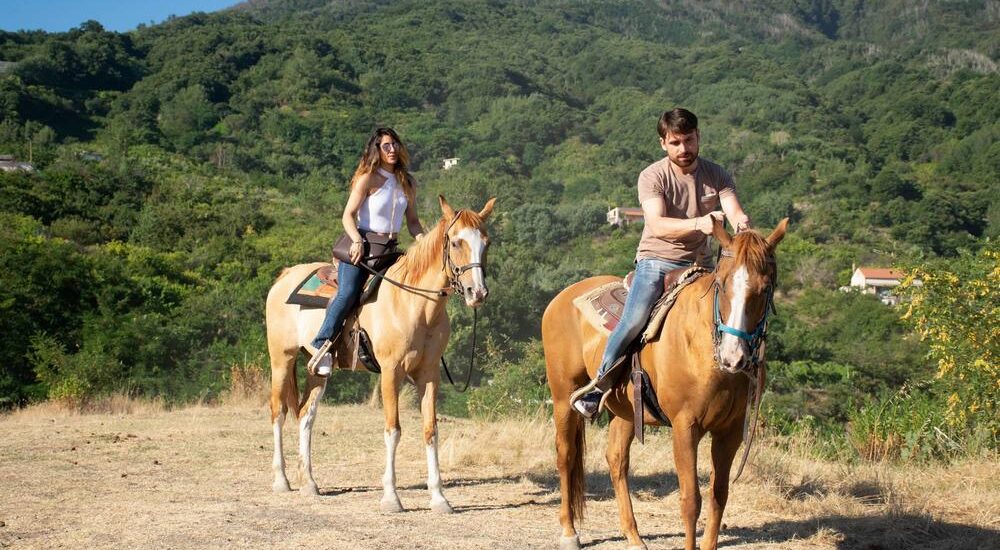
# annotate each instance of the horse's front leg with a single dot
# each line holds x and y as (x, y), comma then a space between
(686, 437)
(315, 386)
(427, 387)
(391, 380)
(620, 435)
(724, 448)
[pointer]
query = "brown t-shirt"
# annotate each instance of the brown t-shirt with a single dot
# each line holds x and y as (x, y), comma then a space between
(686, 196)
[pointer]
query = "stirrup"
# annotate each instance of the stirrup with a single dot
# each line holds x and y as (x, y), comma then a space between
(317, 357)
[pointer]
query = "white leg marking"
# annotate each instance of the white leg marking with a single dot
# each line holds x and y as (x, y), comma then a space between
(732, 349)
(305, 443)
(278, 462)
(438, 502)
(390, 500)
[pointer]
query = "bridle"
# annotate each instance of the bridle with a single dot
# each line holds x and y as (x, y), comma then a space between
(754, 339)
(455, 271)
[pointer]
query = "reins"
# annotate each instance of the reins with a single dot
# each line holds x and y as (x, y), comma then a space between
(472, 357)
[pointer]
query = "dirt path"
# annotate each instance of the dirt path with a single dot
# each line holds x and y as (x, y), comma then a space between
(200, 478)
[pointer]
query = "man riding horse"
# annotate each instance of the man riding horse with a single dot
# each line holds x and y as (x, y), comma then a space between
(679, 194)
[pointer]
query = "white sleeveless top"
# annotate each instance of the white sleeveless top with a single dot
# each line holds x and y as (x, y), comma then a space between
(383, 210)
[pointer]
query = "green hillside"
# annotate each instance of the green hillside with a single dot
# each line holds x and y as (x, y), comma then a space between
(180, 166)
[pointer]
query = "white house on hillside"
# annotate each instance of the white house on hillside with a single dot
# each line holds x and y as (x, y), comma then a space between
(878, 281)
(622, 216)
(448, 163)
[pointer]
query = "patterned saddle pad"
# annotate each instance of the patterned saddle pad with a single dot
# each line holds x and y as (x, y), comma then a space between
(604, 305)
(316, 290)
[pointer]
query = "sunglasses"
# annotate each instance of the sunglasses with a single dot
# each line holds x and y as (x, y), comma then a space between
(387, 147)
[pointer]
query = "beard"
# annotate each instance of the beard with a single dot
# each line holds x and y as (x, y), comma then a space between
(686, 159)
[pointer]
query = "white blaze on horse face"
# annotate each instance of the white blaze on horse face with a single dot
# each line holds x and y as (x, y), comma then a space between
(732, 349)
(476, 293)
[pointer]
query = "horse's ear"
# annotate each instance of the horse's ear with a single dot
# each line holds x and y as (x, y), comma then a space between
(446, 208)
(720, 233)
(488, 209)
(779, 233)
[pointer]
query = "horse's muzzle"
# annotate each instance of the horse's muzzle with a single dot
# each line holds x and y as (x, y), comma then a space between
(474, 297)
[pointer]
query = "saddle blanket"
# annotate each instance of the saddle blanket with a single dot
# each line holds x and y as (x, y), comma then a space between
(603, 306)
(316, 290)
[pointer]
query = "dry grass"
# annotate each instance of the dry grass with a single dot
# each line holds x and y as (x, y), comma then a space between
(130, 474)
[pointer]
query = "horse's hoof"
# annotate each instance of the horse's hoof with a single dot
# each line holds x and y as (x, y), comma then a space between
(569, 543)
(309, 489)
(391, 505)
(442, 507)
(280, 486)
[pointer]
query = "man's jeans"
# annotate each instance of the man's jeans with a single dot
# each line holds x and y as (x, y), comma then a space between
(350, 282)
(647, 288)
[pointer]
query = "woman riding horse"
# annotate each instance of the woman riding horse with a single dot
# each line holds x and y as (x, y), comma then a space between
(382, 193)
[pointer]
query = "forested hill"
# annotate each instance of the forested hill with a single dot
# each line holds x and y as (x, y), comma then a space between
(181, 165)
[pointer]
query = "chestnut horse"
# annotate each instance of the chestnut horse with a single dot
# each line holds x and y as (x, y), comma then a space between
(696, 368)
(409, 331)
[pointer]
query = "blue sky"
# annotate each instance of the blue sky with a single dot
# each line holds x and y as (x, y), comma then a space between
(114, 15)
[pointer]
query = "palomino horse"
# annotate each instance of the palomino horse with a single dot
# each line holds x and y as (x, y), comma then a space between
(409, 330)
(695, 372)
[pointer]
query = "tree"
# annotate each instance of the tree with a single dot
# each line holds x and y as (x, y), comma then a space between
(955, 307)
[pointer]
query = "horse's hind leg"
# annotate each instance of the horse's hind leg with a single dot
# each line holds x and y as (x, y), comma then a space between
(620, 435)
(724, 448)
(315, 386)
(570, 446)
(284, 396)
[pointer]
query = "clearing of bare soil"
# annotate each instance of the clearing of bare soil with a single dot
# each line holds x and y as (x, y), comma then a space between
(200, 477)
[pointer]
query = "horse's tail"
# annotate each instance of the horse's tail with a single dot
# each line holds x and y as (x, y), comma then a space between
(577, 476)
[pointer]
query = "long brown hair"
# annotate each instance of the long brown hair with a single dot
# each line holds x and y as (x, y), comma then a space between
(370, 160)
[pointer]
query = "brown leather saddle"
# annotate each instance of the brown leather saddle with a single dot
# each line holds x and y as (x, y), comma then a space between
(610, 304)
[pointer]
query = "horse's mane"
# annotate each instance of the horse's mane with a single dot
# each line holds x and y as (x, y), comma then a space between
(426, 253)
(750, 248)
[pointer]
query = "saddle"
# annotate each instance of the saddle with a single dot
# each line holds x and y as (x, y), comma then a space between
(316, 291)
(603, 306)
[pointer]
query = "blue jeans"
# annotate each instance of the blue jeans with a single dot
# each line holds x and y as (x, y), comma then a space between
(350, 283)
(647, 288)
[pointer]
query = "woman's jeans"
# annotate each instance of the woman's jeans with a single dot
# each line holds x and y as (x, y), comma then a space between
(647, 288)
(350, 282)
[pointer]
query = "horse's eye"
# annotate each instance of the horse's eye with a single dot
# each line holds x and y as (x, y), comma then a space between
(454, 244)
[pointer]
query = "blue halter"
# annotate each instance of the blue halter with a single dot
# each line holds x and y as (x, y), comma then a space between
(754, 339)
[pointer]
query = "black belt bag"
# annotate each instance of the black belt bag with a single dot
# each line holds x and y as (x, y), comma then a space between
(378, 251)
